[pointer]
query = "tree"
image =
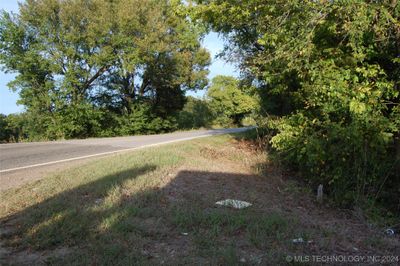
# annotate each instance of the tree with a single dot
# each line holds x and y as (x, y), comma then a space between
(79, 60)
(195, 114)
(228, 100)
(328, 72)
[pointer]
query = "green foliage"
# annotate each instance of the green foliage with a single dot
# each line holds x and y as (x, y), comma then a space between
(13, 127)
(327, 73)
(82, 64)
(195, 114)
(4, 130)
(77, 121)
(228, 101)
(348, 158)
(143, 121)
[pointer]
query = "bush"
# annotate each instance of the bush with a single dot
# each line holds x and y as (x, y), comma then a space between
(229, 101)
(143, 121)
(5, 132)
(195, 114)
(16, 126)
(330, 76)
(350, 159)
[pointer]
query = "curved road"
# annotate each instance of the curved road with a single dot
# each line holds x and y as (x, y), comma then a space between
(17, 159)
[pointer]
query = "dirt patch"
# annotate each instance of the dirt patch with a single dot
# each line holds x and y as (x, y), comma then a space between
(328, 230)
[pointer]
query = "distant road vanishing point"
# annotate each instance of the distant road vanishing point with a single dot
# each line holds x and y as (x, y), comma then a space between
(22, 156)
(18, 156)
(21, 163)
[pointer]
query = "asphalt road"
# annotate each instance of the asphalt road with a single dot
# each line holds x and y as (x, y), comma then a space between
(23, 156)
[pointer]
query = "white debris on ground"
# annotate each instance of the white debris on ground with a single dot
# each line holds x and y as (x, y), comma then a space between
(237, 204)
(301, 240)
(98, 201)
(298, 240)
(389, 232)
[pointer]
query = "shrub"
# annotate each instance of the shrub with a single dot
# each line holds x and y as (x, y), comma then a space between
(195, 114)
(143, 121)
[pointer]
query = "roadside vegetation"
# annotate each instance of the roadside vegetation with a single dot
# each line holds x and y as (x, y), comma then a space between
(105, 68)
(158, 206)
(327, 74)
(100, 68)
(320, 79)
(226, 104)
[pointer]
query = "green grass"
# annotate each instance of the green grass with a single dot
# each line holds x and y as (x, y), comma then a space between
(150, 207)
(110, 211)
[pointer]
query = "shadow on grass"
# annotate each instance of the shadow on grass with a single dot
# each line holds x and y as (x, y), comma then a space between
(103, 223)
(69, 218)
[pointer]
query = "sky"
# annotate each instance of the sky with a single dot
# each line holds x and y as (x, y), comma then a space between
(8, 99)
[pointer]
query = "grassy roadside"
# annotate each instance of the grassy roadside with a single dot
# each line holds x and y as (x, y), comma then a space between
(157, 206)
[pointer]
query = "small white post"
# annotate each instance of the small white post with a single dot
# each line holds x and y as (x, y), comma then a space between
(320, 193)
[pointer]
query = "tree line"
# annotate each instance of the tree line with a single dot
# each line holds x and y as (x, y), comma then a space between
(106, 68)
(101, 68)
(226, 104)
